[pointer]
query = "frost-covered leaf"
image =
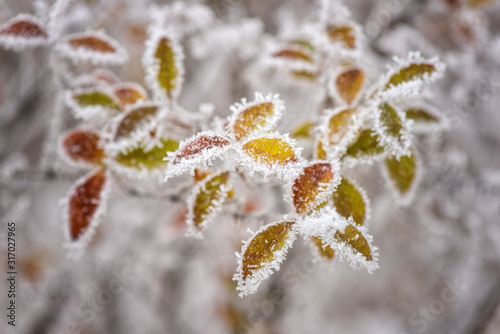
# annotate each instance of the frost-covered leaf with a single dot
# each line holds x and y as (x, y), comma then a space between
(345, 35)
(351, 201)
(86, 204)
(365, 149)
(406, 78)
(195, 152)
(82, 146)
(272, 154)
(352, 237)
(350, 242)
(88, 104)
(393, 129)
(324, 251)
(21, 32)
(250, 118)
(263, 254)
(141, 157)
(206, 200)
(137, 119)
(348, 84)
(129, 93)
(313, 186)
(339, 129)
(402, 175)
(163, 62)
(96, 48)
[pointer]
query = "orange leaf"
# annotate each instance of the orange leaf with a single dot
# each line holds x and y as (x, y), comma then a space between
(348, 84)
(260, 115)
(83, 146)
(129, 93)
(313, 186)
(93, 47)
(293, 54)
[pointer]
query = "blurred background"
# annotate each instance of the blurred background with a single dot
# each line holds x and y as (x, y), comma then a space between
(439, 257)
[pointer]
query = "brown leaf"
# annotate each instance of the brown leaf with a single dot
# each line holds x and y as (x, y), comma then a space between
(312, 187)
(343, 34)
(327, 252)
(24, 27)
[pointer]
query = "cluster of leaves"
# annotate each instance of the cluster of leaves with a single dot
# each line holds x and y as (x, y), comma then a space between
(366, 124)
(133, 135)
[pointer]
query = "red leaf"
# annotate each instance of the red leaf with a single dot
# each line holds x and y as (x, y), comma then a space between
(23, 28)
(84, 202)
(198, 145)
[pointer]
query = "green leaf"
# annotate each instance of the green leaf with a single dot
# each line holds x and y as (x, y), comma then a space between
(367, 144)
(350, 202)
(410, 73)
(95, 99)
(402, 173)
(139, 158)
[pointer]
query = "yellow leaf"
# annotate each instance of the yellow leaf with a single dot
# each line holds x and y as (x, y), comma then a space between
(252, 118)
(349, 83)
(339, 125)
(479, 3)
(303, 130)
(320, 152)
(270, 151)
(312, 187)
(349, 202)
(327, 252)
(355, 239)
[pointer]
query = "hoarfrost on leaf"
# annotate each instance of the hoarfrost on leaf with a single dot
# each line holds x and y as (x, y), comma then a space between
(262, 254)
(21, 32)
